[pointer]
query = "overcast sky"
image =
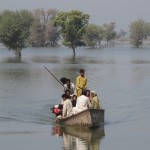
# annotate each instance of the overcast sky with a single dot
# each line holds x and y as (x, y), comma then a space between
(123, 12)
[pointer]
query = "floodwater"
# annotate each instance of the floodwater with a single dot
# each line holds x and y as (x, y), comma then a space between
(120, 75)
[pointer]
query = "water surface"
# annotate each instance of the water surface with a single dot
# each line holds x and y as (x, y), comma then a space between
(120, 75)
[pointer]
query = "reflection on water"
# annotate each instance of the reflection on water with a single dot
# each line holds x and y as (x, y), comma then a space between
(138, 61)
(14, 59)
(78, 138)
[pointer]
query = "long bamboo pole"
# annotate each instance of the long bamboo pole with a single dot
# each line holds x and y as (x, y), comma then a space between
(53, 75)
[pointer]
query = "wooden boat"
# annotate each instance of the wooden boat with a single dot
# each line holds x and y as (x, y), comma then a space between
(88, 118)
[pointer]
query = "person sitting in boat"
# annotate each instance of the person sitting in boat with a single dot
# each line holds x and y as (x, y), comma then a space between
(83, 103)
(69, 86)
(74, 100)
(88, 94)
(95, 101)
(68, 93)
(67, 106)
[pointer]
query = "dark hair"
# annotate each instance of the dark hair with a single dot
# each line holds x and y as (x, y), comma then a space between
(64, 96)
(67, 91)
(87, 92)
(81, 70)
(74, 96)
(84, 92)
(63, 80)
(67, 80)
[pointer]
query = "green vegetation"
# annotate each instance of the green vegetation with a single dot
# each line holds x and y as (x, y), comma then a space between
(15, 29)
(93, 35)
(139, 30)
(72, 26)
(42, 28)
(109, 32)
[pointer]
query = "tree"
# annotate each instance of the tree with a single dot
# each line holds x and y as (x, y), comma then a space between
(93, 35)
(15, 29)
(109, 33)
(43, 32)
(72, 26)
(139, 30)
(52, 34)
(147, 30)
(100, 34)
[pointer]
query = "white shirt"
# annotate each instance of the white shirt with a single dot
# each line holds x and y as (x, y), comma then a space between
(82, 104)
(72, 88)
(67, 108)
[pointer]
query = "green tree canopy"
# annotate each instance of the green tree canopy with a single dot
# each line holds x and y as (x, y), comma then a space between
(109, 32)
(15, 29)
(93, 35)
(138, 31)
(72, 26)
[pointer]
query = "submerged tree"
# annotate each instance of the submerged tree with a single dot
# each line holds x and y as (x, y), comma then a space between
(138, 31)
(15, 29)
(72, 27)
(109, 32)
(43, 32)
(93, 35)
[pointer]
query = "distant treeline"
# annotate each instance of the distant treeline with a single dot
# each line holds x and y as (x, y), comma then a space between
(42, 28)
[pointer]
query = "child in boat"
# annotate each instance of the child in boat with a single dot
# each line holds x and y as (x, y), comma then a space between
(81, 83)
(88, 94)
(95, 101)
(74, 100)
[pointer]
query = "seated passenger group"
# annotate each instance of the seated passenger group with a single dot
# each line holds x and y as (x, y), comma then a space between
(75, 100)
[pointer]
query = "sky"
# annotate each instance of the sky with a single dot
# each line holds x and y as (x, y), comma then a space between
(122, 12)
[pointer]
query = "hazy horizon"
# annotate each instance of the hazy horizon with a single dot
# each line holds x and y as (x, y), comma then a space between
(122, 12)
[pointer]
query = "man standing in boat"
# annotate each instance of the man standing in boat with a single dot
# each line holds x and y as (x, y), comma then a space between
(81, 83)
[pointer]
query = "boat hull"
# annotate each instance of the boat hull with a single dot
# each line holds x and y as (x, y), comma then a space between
(88, 118)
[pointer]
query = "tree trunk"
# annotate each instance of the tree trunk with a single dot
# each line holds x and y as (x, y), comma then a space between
(74, 53)
(19, 54)
(99, 42)
(107, 42)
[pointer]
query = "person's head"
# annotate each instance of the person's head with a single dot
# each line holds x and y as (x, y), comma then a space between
(82, 72)
(93, 93)
(63, 80)
(84, 92)
(67, 92)
(68, 81)
(64, 97)
(74, 97)
(88, 93)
